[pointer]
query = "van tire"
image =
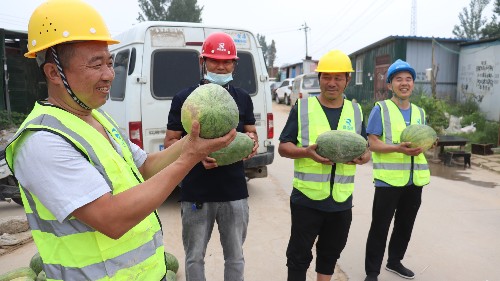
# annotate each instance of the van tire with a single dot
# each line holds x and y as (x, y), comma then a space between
(287, 100)
(277, 99)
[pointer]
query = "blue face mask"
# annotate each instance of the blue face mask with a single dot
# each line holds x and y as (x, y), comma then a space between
(219, 79)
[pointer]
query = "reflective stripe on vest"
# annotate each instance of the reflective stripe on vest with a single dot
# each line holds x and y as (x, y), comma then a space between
(310, 177)
(395, 168)
(71, 250)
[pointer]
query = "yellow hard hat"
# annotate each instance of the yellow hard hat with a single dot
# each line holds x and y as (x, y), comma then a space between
(334, 61)
(59, 21)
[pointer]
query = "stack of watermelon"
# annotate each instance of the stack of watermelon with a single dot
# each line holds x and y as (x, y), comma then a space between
(35, 270)
(216, 111)
(32, 273)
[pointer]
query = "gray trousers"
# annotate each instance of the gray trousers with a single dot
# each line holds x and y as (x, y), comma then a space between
(197, 225)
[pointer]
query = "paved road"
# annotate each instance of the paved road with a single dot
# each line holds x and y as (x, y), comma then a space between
(456, 236)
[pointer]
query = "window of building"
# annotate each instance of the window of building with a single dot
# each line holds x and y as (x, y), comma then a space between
(359, 71)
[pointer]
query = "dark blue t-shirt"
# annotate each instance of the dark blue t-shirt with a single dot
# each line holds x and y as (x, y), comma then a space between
(224, 183)
(289, 134)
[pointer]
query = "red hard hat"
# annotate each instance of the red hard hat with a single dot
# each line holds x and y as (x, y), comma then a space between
(219, 46)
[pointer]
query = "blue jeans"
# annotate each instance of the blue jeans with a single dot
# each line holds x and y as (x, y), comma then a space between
(197, 225)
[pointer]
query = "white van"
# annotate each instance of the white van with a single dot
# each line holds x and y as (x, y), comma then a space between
(304, 86)
(155, 60)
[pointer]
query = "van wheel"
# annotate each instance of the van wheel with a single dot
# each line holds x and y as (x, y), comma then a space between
(277, 99)
(287, 100)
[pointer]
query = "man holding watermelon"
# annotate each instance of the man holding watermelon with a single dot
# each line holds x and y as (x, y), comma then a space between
(89, 193)
(212, 193)
(321, 199)
(399, 172)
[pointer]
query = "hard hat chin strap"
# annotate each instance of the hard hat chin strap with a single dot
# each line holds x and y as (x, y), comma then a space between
(65, 81)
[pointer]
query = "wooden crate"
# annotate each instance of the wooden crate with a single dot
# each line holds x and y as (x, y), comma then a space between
(482, 148)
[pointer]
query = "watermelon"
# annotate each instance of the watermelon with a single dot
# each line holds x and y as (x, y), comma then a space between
(213, 107)
(172, 262)
(419, 135)
(170, 276)
(238, 149)
(41, 276)
(24, 273)
(36, 263)
(340, 146)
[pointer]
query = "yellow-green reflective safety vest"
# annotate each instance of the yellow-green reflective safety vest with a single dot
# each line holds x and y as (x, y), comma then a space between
(395, 168)
(71, 250)
(311, 177)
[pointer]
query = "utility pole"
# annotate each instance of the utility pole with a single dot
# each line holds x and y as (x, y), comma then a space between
(305, 28)
(434, 72)
(413, 31)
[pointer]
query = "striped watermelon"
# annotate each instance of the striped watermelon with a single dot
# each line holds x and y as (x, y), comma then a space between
(238, 149)
(341, 146)
(419, 135)
(213, 107)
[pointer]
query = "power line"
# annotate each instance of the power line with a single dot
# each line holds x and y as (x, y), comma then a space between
(364, 23)
(350, 24)
(413, 28)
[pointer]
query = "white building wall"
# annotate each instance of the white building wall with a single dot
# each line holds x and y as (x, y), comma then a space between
(479, 77)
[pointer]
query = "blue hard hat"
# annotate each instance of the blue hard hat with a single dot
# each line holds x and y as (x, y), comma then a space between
(399, 66)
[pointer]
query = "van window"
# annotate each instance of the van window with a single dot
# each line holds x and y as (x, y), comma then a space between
(310, 82)
(121, 69)
(244, 75)
(173, 71)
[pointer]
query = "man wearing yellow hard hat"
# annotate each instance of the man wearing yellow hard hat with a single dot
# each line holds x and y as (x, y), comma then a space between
(90, 195)
(321, 199)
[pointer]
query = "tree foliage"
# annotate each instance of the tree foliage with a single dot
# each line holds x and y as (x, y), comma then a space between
(271, 57)
(184, 10)
(153, 10)
(269, 51)
(492, 29)
(170, 10)
(471, 20)
(262, 42)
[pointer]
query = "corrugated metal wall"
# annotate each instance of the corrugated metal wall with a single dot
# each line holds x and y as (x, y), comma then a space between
(417, 52)
(419, 56)
(366, 91)
(26, 83)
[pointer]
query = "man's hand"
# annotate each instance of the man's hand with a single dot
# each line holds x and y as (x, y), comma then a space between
(365, 157)
(209, 163)
(404, 148)
(311, 152)
(197, 149)
(253, 136)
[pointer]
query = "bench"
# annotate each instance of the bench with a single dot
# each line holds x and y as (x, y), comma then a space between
(450, 155)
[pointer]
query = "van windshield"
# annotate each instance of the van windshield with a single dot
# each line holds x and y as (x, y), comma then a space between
(310, 82)
(175, 70)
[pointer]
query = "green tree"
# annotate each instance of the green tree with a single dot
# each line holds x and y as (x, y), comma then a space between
(170, 10)
(152, 10)
(262, 42)
(269, 51)
(492, 29)
(471, 20)
(271, 56)
(184, 10)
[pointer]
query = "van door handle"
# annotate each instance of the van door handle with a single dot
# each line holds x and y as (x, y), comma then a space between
(141, 80)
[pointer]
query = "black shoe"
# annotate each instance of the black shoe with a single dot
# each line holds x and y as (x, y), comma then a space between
(400, 270)
(371, 278)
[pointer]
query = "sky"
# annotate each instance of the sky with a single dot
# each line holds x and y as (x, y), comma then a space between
(332, 24)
